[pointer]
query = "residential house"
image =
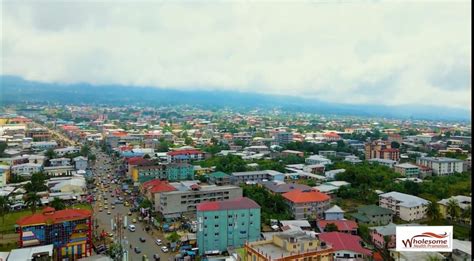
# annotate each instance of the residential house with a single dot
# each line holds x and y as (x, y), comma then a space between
(344, 226)
(378, 235)
(441, 166)
(227, 223)
(287, 153)
(256, 176)
(317, 159)
(60, 162)
(327, 153)
(67, 150)
(59, 171)
(26, 169)
(407, 169)
(346, 246)
(373, 215)
(185, 156)
(282, 187)
(80, 163)
(406, 207)
(307, 204)
(219, 178)
(464, 202)
(381, 150)
(384, 162)
(334, 213)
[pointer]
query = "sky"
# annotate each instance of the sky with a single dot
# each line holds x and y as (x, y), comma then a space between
(354, 52)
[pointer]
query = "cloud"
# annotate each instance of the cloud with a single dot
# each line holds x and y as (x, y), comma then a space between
(365, 52)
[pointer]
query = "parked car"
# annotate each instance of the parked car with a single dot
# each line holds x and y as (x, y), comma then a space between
(164, 249)
(142, 239)
(156, 257)
(158, 241)
(137, 250)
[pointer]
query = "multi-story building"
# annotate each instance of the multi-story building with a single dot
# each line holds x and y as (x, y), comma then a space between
(227, 223)
(288, 153)
(407, 169)
(67, 150)
(185, 156)
(317, 159)
(327, 153)
(26, 169)
(80, 163)
(4, 175)
(384, 162)
(69, 230)
(219, 178)
(283, 137)
(43, 145)
(256, 176)
(38, 134)
(187, 196)
(380, 234)
(406, 207)
(346, 247)
(60, 162)
(289, 246)
(170, 172)
(441, 166)
(463, 202)
(307, 204)
(381, 150)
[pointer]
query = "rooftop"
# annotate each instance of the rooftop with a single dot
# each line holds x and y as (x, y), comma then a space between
(304, 196)
(50, 216)
(406, 199)
(343, 241)
(341, 224)
(239, 203)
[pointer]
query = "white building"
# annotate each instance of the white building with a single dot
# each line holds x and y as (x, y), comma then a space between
(80, 163)
(406, 207)
(67, 150)
(317, 159)
(441, 165)
(26, 169)
(60, 162)
(384, 162)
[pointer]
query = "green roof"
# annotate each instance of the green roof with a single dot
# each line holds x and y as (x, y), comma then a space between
(218, 174)
(360, 217)
(371, 210)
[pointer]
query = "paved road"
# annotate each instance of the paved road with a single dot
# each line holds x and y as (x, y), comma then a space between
(149, 247)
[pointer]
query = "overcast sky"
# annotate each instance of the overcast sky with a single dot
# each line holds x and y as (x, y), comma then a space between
(374, 52)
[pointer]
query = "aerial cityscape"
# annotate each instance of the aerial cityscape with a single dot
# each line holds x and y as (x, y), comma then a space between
(235, 131)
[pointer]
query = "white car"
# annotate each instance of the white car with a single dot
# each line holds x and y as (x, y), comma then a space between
(164, 249)
(158, 241)
(131, 228)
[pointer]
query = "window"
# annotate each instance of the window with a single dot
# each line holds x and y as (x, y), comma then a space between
(216, 217)
(216, 234)
(216, 225)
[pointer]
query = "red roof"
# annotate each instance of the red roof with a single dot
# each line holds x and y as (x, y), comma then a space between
(342, 241)
(389, 150)
(331, 135)
(342, 225)
(184, 152)
(119, 134)
(49, 216)
(156, 186)
(305, 196)
(239, 203)
(137, 161)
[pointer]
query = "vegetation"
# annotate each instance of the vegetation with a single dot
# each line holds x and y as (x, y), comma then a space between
(37, 183)
(272, 206)
(331, 227)
(4, 206)
(173, 237)
(32, 200)
(58, 204)
(3, 147)
(432, 211)
(228, 163)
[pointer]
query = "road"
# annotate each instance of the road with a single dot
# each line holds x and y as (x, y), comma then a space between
(149, 247)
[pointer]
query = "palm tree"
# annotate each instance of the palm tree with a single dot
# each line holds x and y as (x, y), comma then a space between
(453, 209)
(466, 213)
(432, 211)
(4, 206)
(58, 204)
(32, 200)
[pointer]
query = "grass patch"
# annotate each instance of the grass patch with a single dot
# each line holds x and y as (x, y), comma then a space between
(241, 253)
(461, 231)
(8, 246)
(81, 206)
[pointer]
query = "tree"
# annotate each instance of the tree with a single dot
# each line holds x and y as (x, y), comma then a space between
(395, 145)
(3, 147)
(37, 183)
(466, 213)
(92, 157)
(432, 211)
(58, 204)
(32, 200)
(331, 227)
(85, 151)
(188, 141)
(4, 206)
(146, 204)
(174, 237)
(147, 156)
(50, 154)
(453, 209)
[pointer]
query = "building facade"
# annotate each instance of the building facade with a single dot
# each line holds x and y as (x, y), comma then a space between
(381, 150)
(404, 206)
(307, 204)
(407, 170)
(441, 166)
(227, 223)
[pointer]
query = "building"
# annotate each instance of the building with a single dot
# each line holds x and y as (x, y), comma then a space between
(170, 172)
(441, 166)
(4, 175)
(287, 153)
(404, 206)
(187, 196)
(346, 246)
(67, 150)
(150, 188)
(462, 250)
(344, 226)
(334, 213)
(227, 223)
(185, 156)
(289, 246)
(281, 187)
(379, 234)
(464, 202)
(256, 176)
(327, 153)
(219, 178)
(407, 170)
(381, 150)
(69, 230)
(384, 162)
(373, 215)
(43, 145)
(38, 134)
(283, 137)
(31, 253)
(26, 169)
(307, 204)
(59, 171)
(317, 159)
(60, 162)
(80, 163)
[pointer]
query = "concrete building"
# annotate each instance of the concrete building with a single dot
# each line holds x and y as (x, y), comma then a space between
(80, 163)
(289, 246)
(441, 166)
(60, 162)
(381, 150)
(287, 153)
(281, 187)
(59, 171)
(327, 153)
(317, 159)
(219, 178)
(283, 137)
(26, 169)
(346, 247)
(170, 172)
(4, 175)
(256, 176)
(404, 206)
(67, 150)
(43, 145)
(384, 162)
(38, 134)
(188, 195)
(307, 204)
(379, 234)
(407, 169)
(227, 223)
(185, 156)
(464, 202)
(334, 213)
(373, 215)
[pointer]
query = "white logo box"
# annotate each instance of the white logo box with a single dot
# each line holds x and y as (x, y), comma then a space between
(424, 238)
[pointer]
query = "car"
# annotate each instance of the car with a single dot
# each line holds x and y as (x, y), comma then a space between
(129, 213)
(113, 207)
(131, 227)
(164, 249)
(108, 212)
(156, 257)
(106, 207)
(134, 220)
(111, 234)
(137, 250)
(158, 241)
(142, 239)
(100, 209)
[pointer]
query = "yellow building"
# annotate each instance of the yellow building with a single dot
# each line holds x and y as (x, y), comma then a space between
(294, 246)
(464, 202)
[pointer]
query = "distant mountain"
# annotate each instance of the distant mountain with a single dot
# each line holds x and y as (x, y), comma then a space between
(16, 90)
